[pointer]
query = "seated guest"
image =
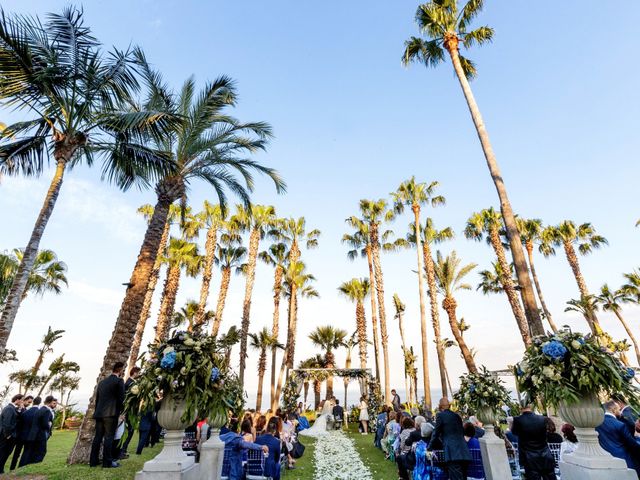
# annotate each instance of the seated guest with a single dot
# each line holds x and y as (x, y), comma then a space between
(246, 430)
(416, 435)
(509, 434)
(627, 415)
(570, 442)
(408, 426)
(238, 447)
(261, 425)
(338, 412)
(615, 438)
(552, 435)
(474, 470)
(269, 438)
(391, 431)
(477, 424)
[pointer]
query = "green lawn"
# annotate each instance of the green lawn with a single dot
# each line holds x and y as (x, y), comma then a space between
(54, 466)
(372, 457)
(304, 466)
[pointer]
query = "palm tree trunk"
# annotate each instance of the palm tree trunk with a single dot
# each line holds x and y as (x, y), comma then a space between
(317, 386)
(374, 315)
(426, 381)
(288, 348)
(122, 337)
(404, 354)
(361, 328)
(35, 369)
(207, 273)
(254, 242)
(547, 313)
(384, 337)
(435, 315)
(330, 364)
(509, 288)
(448, 381)
(168, 303)
(262, 368)
(449, 304)
(522, 272)
(629, 334)
(222, 297)
(148, 300)
(275, 327)
(572, 258)
(19, 284)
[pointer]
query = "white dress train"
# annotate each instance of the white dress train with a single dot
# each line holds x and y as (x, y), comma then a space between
(319, 427)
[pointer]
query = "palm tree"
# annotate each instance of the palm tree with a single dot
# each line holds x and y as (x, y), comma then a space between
(356, 290)
(450, 276)
(610, 301)
(531, 233)
(189, 315)
(257, 220)
(24, 377)
(57, 72)
(632, 288)
(373, 214)
(411, 371)
(57, 367)
(349, 344)
(360, 243)
(489, 222)
(263, 341)
(490, 280)
(48, 340)
(47, 274)
(445, 26)
(66, 385)
(446, 344)
(400, 308)
(314, 362)
(587, 305)
(414, 195)
(328, 338)
(308, 364)
(276, 255)
(228, 258)
(213, 218)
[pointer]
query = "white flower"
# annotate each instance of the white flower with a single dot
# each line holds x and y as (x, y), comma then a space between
(189, 342)
(183, 371)
(135, 390)
(167, 350)
(335, 457)
(548, 372)
(575, 344)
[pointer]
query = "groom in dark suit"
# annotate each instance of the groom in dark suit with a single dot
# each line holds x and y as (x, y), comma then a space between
(109, 406)
(449, 431)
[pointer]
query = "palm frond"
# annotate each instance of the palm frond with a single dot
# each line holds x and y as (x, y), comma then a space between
(479, 36)
(429, 53)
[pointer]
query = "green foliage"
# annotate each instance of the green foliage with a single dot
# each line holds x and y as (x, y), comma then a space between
(567, 366)
(481, 390)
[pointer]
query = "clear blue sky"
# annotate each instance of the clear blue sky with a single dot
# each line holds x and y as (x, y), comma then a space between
(557, 88)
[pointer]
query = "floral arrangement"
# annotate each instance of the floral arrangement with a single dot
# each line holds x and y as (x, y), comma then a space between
(567, 366)
(291, 392)
(190, 366)
(481, 390)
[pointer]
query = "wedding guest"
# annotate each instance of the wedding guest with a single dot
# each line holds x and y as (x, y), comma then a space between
(40, 431)
(414, 412)
(24, 427)
(270, 439)
(477, 424)
(615, 438)
(570, 442)
(509, 433)
(534, 454)
(21, 437)
(475, 470)
(449, 431)
(381, 423)
(627, 415)
(416, 435)
(391, 431)
(235, 453)
(144, 430)
(134, 372)
(9, 429)
(364, 415)
(261, 425)
(552, 435)
(408, 426)
(246, 430)
(109, 406)
(338, 412)
(395, 400)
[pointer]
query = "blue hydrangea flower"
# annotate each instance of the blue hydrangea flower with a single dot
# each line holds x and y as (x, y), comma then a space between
(519, 371)
(215, 373)
(554, 350)
(581, 341)
(472, 388)
(629, 373)
(169, 360)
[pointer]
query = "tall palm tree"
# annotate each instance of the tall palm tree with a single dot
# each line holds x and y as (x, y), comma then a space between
(180, 254)
(445, 27)
(356, 290)
(213, 219)
(316, 361)
(450, 277)
(374, 213)
(263, 341)
(257, 221)
(399, 315)
(414, 195)
(65, 384)
(360, 243)
(328, 338)
(568, 235)
(276, 255)
(610, 301)
(57, 71)
(228, 258)
(349, 344)
(530, 234)
(489, 222)
(490, 280)
(58, 366)
(307, 364)
(411, 371)
(48, 340)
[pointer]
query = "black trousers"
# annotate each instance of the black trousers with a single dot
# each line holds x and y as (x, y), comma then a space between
(18, 449)
(143, 440)
(25, 459)
(457, 470)
(6, 447)
(105, 431)
(124, 443)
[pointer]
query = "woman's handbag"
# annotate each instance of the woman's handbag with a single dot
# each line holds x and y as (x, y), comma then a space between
(298, 449)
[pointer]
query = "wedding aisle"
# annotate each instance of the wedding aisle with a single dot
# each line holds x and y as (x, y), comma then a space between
(336, 458)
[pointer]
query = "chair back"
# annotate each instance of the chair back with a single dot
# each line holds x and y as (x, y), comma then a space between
(255, 465)
(226, 460)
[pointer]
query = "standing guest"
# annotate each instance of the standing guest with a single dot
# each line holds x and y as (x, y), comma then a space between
(477, 424)
(26, 421)
(134, 372)
(552, 435)
(570, 442)
(9, 429)
(627, 415)
(109, 407)
(338, 412)
(475, 470)
(381, 423)
(395, 400)
(364, 415)
(535, 456)
(270, 439)
(40, 431)
(22, 434)
(144, 430)
(449, 431)
(237, 448)
(615, 438)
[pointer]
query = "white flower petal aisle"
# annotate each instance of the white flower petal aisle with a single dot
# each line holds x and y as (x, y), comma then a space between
(336, 458)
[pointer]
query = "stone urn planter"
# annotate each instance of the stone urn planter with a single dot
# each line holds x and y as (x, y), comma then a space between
(492, 448)
(488, 416)
(212, 452)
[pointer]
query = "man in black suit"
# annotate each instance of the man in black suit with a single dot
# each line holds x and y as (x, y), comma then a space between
(449, 431)
(338, 412)
(40, 431)
(109, 406)
(126, 438)
(9, 429)
(395, 401)
(535, 456)
(24, 425)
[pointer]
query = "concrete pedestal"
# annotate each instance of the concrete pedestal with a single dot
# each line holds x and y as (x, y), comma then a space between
(171, 463)
(494, 456)
(211, 456)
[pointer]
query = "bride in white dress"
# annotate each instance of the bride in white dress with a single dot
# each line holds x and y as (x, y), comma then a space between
(319, 427)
